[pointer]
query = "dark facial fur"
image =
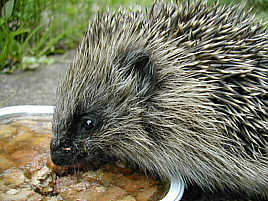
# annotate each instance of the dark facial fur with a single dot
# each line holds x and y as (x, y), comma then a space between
(179, 91)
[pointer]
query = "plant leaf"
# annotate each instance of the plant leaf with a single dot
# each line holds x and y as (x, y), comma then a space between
(8, 9)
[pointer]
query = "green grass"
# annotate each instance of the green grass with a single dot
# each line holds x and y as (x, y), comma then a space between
(37, 28)
(31, 30)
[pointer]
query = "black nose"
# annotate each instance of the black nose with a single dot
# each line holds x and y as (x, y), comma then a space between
(62, 156)
(63, 153)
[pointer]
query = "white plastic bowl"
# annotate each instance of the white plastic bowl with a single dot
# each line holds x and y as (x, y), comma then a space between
(176, 189)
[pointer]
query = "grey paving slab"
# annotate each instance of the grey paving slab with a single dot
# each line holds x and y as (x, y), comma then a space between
(36, 87)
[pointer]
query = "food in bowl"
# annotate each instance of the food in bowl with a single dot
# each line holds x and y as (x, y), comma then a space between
(27, 173)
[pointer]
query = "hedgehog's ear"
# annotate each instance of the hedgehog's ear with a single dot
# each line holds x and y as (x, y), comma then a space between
(138, 65)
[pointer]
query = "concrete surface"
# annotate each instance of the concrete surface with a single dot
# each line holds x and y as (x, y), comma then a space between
(36, 87)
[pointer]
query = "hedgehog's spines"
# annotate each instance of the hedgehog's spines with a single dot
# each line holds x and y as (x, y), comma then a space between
(198, 109)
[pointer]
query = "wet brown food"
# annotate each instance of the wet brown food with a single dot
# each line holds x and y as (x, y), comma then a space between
(27, 173)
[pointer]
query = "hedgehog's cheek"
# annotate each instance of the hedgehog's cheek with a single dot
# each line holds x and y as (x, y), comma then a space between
(64, 154)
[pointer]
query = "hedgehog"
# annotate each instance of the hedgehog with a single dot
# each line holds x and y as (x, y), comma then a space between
(179, 90)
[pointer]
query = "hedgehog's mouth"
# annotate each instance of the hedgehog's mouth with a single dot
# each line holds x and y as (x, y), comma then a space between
(73, 156)
(66, 156)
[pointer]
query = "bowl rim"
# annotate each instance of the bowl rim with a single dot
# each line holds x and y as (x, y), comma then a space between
(177, 185)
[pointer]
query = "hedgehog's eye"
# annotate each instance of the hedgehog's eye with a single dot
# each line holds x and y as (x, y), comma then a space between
(87, 124)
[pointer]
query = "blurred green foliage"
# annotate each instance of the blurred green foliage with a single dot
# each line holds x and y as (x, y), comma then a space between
(38, 28)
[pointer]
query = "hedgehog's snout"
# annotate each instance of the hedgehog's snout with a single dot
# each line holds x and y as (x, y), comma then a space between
(64, 153)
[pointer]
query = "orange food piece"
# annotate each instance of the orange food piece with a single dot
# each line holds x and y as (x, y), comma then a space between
(41, 141)
(22, 157)
(146, 194)
(5, 162)
(113, 193)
